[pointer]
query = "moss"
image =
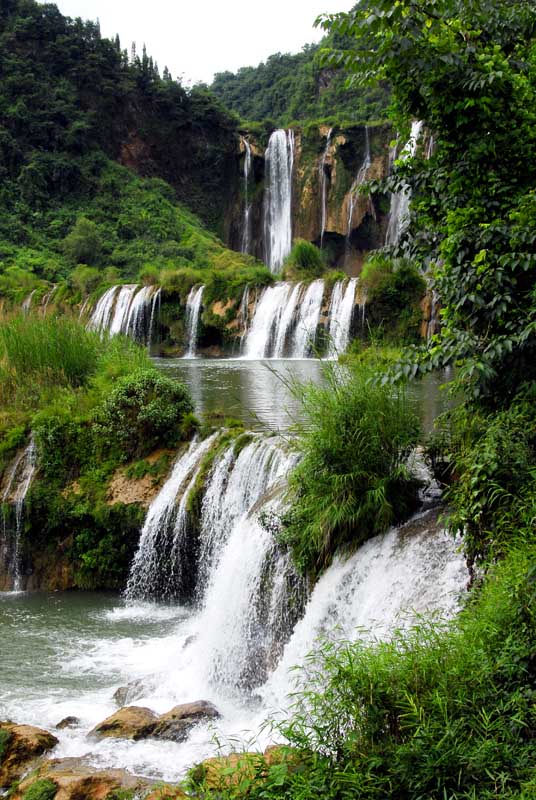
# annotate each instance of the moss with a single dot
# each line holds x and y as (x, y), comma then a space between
(43, 789)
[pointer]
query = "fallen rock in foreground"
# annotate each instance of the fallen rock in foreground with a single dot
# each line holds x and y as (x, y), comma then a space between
(20, 745)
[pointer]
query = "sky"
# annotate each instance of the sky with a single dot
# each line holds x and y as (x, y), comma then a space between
(196, 38)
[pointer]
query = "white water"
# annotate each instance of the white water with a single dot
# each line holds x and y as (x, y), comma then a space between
(400, 201)
(152, 572)
(309, 315)
(279, 161)
(324, 187)
(341, 311)
(246, 232)
(287, 319)
(128, 310)
(27, 302)
(20, 474)
(193, 310)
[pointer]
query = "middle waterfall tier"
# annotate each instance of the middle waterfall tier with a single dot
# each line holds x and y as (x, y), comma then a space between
(301, 321)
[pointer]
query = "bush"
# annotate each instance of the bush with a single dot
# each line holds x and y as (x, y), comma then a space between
(144, 411)
(304, 261)
(394, 289)
(83, 245)
(352, 481)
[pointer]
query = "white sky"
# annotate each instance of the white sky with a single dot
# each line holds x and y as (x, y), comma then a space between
(196, 38)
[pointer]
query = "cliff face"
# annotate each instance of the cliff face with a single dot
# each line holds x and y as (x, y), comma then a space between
(328, 166)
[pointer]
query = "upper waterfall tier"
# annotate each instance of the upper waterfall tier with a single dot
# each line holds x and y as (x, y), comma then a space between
(279, 159)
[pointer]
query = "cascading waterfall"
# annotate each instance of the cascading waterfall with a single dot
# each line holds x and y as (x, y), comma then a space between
(193, 310)
(324, 187)
(128, 310)
(266, 320)
(287, 319)
(341, 311)
(160, 565)
(27, 302)
(359, 181)
(246, 233)
(304, 336)
(21, 474)
(400, 201)
(279, 159)
(46, 299)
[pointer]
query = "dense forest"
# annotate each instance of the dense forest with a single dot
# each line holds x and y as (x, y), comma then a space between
(288, 88)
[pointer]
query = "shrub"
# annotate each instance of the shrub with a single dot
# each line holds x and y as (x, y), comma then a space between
(304, 261)
(83, 245)
(352, 481)
(394, 289)
(144, 411)
(85, 278)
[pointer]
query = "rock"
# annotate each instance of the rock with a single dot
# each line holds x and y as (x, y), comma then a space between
(20, 745)
(76, 780)
(165, 792)
(225, 772)
(67, 722)
(126, 694)
(131, 722)
(176, 724)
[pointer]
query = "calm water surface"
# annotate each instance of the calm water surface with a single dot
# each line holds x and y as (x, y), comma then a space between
(257, 392)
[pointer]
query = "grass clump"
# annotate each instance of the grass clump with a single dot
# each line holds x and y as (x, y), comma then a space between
(305, 261)
(394, 289)
(352, 481)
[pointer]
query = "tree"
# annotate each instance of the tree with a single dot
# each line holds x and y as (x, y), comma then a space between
(468, 70)
(83, 245)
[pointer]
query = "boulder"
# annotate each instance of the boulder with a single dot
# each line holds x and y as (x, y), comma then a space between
(176, 724)
(67, 722)
(126, 694)
(20, 745)
(131, 722)
(226, 772)
(76, 780)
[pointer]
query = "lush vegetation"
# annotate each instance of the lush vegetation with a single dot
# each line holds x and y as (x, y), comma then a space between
(295, 88)
(91, 404)
(305, 261)
(352, 481)
(394, 290)
(79, 117)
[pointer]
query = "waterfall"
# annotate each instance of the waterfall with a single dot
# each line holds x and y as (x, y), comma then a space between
(287, 319)
(193, 310)
(246, 233)
(128, 310)
(265, 322)
(279, 159)
(27, 302)
(359, 181)
(400, 201)
(46, 299)
(340, 315)
(21, 474)
(155, 312)
(158, 568)
(305, 332)
(324, 186)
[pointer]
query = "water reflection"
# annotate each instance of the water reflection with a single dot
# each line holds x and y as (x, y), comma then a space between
(257, 392)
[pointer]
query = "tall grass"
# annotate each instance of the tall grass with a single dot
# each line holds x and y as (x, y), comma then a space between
(43, 357)
(352, 481)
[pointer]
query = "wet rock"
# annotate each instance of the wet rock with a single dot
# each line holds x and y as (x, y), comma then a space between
(67, 722)
(176, 724)
(126, 694)
(165, 792)
(20, 745)
(76, 780)
(225, 772)
(131, 722)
